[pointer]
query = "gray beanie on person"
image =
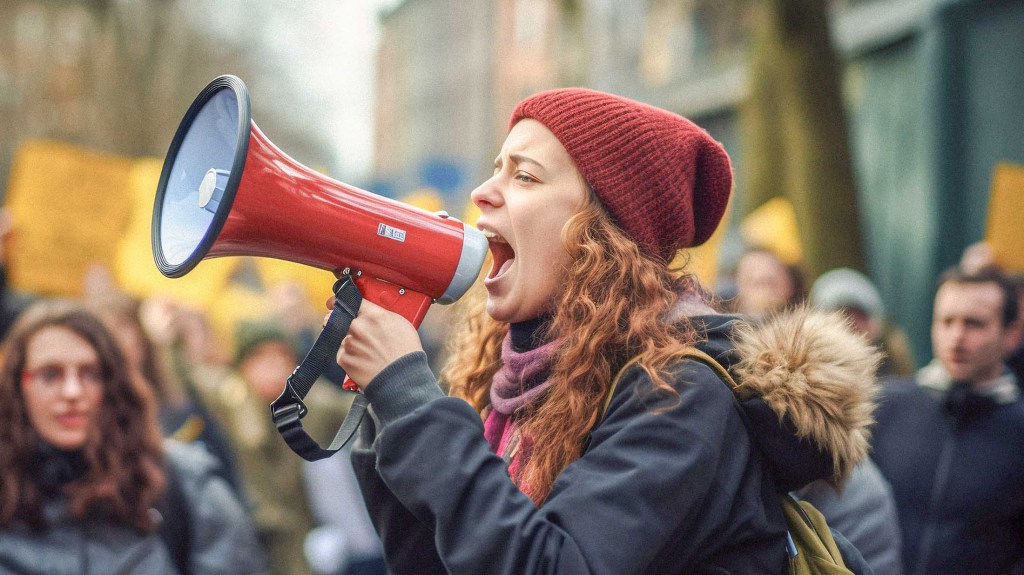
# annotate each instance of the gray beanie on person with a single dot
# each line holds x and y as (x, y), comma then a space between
(847, 288)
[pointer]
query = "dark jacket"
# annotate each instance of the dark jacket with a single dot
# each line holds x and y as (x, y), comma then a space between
(667, 484)
(953, 458)
(217, 537)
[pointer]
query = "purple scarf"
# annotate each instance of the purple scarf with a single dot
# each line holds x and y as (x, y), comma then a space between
(523, 377)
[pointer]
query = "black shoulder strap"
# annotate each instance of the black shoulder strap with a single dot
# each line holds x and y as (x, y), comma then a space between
(288, 409)
(175, 529)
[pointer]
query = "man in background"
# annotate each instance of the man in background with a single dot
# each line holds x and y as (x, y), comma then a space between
(949, 439)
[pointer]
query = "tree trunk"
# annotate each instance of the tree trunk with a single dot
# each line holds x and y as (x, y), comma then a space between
(795, 133)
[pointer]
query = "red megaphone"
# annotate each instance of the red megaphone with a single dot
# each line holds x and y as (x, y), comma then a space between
(226, 190)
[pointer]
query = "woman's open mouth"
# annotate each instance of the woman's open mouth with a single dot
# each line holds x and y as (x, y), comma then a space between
(502, 255)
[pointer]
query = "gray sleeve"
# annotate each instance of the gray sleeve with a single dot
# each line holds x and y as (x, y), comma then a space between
(865, 514)
(221, 536)
(402, 387)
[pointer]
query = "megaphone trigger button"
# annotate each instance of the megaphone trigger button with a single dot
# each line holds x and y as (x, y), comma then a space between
(387, 298)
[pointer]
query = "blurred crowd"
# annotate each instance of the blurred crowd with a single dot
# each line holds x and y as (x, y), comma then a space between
(941, 491)
(213, 489)
(179, 467)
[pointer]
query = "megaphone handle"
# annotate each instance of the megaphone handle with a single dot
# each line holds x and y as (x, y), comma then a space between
(411, 305)
(288, 410)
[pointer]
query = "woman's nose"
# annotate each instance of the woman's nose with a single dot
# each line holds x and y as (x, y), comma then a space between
(488, 193)
(73, 385)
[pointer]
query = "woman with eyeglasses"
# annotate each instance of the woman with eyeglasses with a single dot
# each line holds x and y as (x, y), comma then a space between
(87, 485)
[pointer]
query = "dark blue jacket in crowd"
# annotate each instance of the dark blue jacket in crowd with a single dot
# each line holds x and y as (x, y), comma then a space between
(955, 460)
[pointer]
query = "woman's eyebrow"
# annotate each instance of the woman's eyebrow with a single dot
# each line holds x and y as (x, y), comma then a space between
(521, 159)
(517, 159)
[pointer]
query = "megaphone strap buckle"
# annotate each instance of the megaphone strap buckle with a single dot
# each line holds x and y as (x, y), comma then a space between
(288, 409)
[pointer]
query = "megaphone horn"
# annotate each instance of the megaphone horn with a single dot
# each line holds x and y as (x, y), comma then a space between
(227, 190)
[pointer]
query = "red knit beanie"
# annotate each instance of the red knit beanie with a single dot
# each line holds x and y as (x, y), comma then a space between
(665, 181)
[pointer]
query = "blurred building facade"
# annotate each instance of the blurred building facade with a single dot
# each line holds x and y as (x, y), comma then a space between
(434, 94)
(932, 89)
(451, 72)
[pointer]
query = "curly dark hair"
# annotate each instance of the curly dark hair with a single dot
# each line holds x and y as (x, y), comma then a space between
(123, 454)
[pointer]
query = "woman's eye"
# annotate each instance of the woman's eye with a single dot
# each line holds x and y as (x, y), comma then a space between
(50, 373)
(91, 374)
(524, 177)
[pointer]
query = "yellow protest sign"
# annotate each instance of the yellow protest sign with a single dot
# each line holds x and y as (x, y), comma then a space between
(69, 207)
(1003, 231)
(236, 304)
(315, 282)
(427, 199)
(471, 213)
(773, 226)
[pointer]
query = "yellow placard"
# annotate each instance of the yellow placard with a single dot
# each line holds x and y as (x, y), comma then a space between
(1003, 231)
(773, 226)
(315, 282)
(69, 207)
(471, 213)
(236, 304)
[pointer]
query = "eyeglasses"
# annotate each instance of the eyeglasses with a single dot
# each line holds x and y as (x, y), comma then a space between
(53, 376)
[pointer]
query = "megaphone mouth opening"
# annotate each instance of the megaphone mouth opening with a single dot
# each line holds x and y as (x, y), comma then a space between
(214, 180)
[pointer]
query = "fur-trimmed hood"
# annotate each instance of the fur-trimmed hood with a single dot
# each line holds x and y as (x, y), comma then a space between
(806, 383)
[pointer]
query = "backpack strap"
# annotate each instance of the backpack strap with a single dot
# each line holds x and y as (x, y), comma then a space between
(808, 525)
(803, 521)
(611, 390)
(175, 530)
(607, 402)
(719, 369)
(690, 353)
